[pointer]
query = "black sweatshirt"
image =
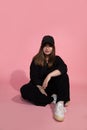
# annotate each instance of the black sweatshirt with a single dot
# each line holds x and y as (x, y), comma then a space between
(38, 73)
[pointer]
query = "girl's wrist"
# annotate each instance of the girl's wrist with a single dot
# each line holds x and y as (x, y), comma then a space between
(38, 86)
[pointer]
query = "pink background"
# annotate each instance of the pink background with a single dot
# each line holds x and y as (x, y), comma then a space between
(23, 23)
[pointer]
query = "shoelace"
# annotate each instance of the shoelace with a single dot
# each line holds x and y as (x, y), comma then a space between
(61, 109)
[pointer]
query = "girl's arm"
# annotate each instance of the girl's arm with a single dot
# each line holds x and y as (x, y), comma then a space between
(49, 76)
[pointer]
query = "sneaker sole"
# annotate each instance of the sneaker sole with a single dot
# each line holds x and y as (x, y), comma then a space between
(57, 118)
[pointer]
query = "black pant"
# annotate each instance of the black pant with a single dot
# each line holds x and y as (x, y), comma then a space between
(57, 85)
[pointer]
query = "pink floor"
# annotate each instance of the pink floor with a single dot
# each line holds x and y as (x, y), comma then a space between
(16, 114)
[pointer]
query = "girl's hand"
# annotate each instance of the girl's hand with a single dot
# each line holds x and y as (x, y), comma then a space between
(45, 83)
(42, 90)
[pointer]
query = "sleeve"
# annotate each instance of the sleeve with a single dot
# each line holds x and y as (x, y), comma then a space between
(35, 74)
(60, 65)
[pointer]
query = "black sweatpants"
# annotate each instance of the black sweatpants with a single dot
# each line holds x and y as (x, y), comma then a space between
(57, 85)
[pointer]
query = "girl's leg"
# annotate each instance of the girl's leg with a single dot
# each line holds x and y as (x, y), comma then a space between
(62, 88)
(32, 94)
(59, 85)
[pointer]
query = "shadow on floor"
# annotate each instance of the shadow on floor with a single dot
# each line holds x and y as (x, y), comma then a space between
(20, 100)
(18, 78)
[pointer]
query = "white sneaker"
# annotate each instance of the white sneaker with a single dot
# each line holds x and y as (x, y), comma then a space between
(55, 98)
(59, 111)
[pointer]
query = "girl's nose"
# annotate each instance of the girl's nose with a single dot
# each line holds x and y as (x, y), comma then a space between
(47, 47)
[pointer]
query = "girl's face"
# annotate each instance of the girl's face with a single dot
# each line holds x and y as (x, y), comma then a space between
(47, 49)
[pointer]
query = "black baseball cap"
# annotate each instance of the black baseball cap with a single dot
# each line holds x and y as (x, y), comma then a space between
(47, 39)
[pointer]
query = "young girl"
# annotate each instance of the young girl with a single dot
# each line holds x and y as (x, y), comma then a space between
(49, 81)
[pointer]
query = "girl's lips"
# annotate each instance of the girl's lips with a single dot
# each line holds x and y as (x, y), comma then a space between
(47, 51)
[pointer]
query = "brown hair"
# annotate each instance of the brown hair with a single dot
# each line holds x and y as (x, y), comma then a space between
(40, 59)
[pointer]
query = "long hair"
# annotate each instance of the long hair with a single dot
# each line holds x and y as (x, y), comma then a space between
(40, 58)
